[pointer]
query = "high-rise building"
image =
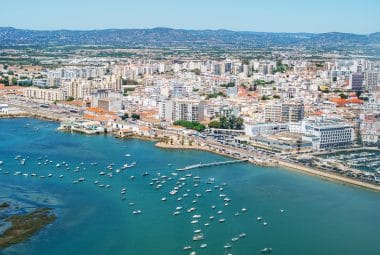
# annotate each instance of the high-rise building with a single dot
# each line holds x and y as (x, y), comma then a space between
(371, 79)
(186, 109)
(356, 82)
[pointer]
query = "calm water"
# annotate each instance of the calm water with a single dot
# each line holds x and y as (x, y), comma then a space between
(320, 217)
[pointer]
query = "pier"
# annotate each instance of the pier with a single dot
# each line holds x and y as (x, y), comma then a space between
(200, 165)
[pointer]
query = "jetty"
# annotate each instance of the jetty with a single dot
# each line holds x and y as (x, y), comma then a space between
(203, 165)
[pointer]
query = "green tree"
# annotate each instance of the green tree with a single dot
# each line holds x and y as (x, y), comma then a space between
(135, 116)
(70, 99)
(343, 96)
(214, 124)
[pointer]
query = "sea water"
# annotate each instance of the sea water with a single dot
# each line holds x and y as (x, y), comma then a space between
(318, 217)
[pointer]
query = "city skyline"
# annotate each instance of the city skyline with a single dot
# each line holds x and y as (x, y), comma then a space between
(241, 15)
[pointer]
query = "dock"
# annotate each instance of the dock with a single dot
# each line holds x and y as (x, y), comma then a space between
(201, 165)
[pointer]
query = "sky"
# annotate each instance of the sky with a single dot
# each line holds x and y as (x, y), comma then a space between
(317, 16)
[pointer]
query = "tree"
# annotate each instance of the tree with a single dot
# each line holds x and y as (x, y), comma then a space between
(343, 96)
(276, 96)
(70, 99)
(197, 71)
(194, 125)
(135, 116)
(214, 124)
(14, 81)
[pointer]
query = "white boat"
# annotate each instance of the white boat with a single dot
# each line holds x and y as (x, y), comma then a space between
(234, 239)
(194, 222)
(266, 250)
(197, 231)
(198, 237)
(1, 162)
(163, 199)
(61, 176)
(227, 246)
(187, 248)
(50, 175)
(127, 155)
(222, 220)
(220, 212)
(243, 209)
(211, 217)
(265, 223)
(177, 213)
(242, 235)
(197, 216)
(203, 246)
(137, 212)
(259, 218)
(178, 208)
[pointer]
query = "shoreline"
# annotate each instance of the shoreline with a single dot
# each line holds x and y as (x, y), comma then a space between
(290, 166)
(287, 165)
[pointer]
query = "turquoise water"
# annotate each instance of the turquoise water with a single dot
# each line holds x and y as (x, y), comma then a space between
(321, 217)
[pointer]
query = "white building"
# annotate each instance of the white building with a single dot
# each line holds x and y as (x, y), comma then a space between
(325, 133)
(181, 109)
(4, 108)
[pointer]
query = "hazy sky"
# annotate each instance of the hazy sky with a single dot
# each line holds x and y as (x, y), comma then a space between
(249, 15)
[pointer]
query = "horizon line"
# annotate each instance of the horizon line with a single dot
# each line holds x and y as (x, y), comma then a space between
(186, 29)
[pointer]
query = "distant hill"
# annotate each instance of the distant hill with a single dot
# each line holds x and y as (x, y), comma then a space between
(167, 37)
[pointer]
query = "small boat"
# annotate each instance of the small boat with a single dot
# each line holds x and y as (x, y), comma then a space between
(163, 199)
(266, 250)
(222, 220)
(50, 175)
(198, 237)
(213, 207)
(187, 248)
(177, 213)
(1, 162)
(194, 222)
(259, 218)
(227, 246)
(220, 212)
(61, 176)
(197, 231)
(211, 217)
(207, 224)
(242, 235)
(178, 208)
(265, 223)
(243, 209)
(137, 212)
(234, 239)
(197, 216)
(203, 246)
(145, 174)
(282, 210)
(82, 179)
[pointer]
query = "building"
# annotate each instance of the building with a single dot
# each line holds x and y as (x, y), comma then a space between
(356, 82)
(325, 133)
(273, 112)
(371, 79)
(165, 110)
(4, 108)
(257, 129)
(46, 95)
(181, 109)
(110, 104)
(291, 111)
